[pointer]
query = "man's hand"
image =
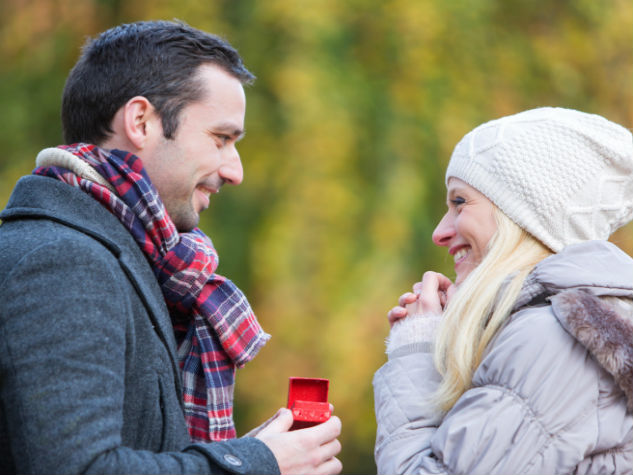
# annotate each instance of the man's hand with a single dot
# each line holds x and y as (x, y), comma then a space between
(304, 451)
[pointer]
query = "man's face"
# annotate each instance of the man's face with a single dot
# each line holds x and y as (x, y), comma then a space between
(202, 156)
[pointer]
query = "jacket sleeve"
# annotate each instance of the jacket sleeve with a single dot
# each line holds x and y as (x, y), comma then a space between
(406, 423)
(62, 362)
(531, 408)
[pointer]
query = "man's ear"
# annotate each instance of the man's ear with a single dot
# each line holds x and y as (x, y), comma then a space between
(141, 122)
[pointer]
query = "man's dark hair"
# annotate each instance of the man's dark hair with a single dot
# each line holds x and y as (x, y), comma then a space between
(154, 59)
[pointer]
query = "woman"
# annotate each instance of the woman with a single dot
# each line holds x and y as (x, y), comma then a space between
(525, 363)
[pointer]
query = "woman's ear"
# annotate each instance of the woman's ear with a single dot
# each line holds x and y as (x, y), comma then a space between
(141, 122)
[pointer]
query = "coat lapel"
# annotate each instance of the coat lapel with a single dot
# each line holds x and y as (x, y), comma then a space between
(43, 197)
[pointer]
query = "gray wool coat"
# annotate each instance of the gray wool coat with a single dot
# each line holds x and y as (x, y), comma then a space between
(89, 381)
(552, 395)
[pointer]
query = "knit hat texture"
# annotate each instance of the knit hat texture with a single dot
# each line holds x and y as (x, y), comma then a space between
(562, 175)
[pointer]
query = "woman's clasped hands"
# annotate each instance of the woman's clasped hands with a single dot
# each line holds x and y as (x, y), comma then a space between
(429, 296)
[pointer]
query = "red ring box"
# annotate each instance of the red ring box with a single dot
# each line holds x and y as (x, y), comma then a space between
(307, 399)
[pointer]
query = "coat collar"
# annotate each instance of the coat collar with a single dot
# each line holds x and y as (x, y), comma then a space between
(600, 267)
(590, 288)
(605, 329)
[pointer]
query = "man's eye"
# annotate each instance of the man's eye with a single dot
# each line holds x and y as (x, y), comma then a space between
(224, 139)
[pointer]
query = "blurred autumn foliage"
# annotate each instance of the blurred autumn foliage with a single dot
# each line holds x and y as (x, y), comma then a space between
(350, 124)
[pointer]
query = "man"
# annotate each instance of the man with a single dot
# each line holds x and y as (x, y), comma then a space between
(118, 342)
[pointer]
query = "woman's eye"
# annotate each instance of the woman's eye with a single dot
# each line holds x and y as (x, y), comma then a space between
(458, 201)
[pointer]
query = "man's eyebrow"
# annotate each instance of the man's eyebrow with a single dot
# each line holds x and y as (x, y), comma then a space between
(230, 129)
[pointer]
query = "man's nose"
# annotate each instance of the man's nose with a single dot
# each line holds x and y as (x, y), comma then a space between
(231, 170)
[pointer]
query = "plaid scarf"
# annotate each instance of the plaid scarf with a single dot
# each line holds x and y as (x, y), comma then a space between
(216, 330)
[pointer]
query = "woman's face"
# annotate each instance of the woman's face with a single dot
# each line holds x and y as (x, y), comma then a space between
(466, 228)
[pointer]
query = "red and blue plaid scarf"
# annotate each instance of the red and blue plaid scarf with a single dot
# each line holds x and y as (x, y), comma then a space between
(216, 330)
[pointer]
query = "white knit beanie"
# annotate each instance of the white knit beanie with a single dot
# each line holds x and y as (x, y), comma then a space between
(562, 175)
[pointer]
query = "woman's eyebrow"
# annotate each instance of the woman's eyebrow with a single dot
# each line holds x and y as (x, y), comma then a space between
(455, 190)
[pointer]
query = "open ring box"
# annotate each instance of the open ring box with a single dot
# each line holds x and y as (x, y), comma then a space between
(307, 399)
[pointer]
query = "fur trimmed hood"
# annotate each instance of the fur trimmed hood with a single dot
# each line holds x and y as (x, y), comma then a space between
(607, 334)
(590, 287)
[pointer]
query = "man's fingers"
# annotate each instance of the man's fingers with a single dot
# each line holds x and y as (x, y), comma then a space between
(323, 433)
(327, 431)
(330, 467)
(330, 449)
(280, 422)
(327, 463)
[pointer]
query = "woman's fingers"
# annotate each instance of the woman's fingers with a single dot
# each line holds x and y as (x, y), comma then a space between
(430, 295)
(432, 292)
(443, 298)
(443, 282)
(450, 292)
(407, 298)
(399, 312)
(395, 314)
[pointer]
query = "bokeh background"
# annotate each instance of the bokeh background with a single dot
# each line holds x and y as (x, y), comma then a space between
(357, 107)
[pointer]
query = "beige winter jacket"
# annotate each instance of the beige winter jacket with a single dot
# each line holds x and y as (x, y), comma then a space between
(553, 394)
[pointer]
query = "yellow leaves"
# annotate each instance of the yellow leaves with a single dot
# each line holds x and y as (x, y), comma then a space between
(417, 23)
(304, 21)
(24, 25)
(356, 110)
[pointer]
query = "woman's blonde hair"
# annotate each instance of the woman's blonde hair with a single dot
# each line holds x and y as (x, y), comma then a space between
(481, 305)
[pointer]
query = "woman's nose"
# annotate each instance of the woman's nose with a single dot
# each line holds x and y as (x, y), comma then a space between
(444, 231)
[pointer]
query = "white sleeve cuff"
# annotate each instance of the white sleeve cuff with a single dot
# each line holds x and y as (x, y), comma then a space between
(413, 329)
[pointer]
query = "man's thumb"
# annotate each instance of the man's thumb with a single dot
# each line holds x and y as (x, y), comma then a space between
(281, 422)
